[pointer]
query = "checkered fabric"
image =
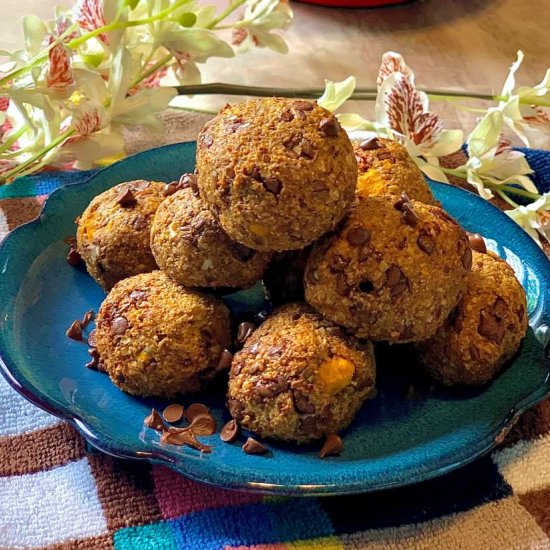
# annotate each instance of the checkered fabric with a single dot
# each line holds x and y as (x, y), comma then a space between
(56, 495)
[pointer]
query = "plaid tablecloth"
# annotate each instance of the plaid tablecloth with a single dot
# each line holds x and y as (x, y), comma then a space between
(55, 495)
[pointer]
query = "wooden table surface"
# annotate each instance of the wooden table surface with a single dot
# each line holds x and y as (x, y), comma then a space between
(466, 44)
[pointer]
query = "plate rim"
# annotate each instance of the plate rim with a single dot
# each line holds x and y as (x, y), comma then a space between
(42, 401)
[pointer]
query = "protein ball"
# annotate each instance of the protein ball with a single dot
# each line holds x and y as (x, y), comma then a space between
(277, 173)
(485, 329)
(299, 377)
(386, 168)
(190, 246)
(393, 271)
(113, 233)
(157, 338)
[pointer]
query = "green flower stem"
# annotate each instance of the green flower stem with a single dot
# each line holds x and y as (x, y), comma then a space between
(225, 13)
(506, 198)
(12, 139)
(39, 155)
(509, 189)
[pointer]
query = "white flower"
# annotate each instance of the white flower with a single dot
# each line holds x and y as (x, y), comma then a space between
(336, 93)
(489, 162)
(260, 19)
(534, 218)
(519, 107)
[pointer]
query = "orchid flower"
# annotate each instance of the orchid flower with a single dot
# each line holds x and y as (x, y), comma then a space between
(534, 218)
(520, 107)
(491, 163)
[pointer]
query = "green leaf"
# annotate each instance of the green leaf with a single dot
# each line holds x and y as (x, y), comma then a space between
(187, 19)
(132, 4)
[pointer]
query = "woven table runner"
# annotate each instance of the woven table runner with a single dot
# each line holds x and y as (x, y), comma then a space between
(56, 495)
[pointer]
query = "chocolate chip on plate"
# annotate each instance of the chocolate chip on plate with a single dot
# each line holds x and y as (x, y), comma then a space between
(73, 257)
(333, 446)
(94, 361)
(477, 243)
(426, 243)
(92, 338)
(254, 447)
(244, 331)
(203, 424)
(184, 436)
(88, 317)
(230, 431)
(194, 410)
(154, 421)
(75, 330)
(225, 361)
(173, 413)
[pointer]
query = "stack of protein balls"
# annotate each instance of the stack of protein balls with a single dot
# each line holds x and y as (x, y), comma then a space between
(350, 243)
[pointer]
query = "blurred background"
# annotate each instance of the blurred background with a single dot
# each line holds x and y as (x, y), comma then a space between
(457, 44)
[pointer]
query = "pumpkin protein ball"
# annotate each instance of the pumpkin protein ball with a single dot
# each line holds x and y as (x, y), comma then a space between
(386, 168)
(157, 338)
(393, 270)
(299, 377)
(113, 232)
(190, 246)
(277, 173)
(485, 329)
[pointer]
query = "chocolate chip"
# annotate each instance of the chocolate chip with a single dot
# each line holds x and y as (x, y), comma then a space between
(254, 447)
(74, 332)
(170, 188)
(329, 127)
(370, 144)
(490, 327)
(409, 215)
(474, 353)
(125, 197)
(88, 317)
(307, 150)
(467, 259)
(301, 403)
(402, 201)
(426, 243)
(394, 275)
(189, 180)
(244, 331)
(140, 223)
(267, 388)
(230, 431)
(287, 116)
(272, 185)
(203, 424)
(194, 410)
(236, 409)
(304, 105)
(357, 236)
(275, 350)
(339, 264)
(477, 243)
(119, 325)
(184, 436)
(94, 361)
(173, 413)
(154, 421)
(225, 360)
(92, 338)
(73, 257)
(333, 446)
(206, 140)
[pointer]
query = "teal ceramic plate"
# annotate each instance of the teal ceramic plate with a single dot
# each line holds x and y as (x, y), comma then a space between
(393, 441)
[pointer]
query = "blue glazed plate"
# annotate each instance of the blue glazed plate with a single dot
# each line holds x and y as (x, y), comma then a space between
(393, 441)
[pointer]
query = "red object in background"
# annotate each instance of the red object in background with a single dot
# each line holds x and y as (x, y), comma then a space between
(354, 3)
